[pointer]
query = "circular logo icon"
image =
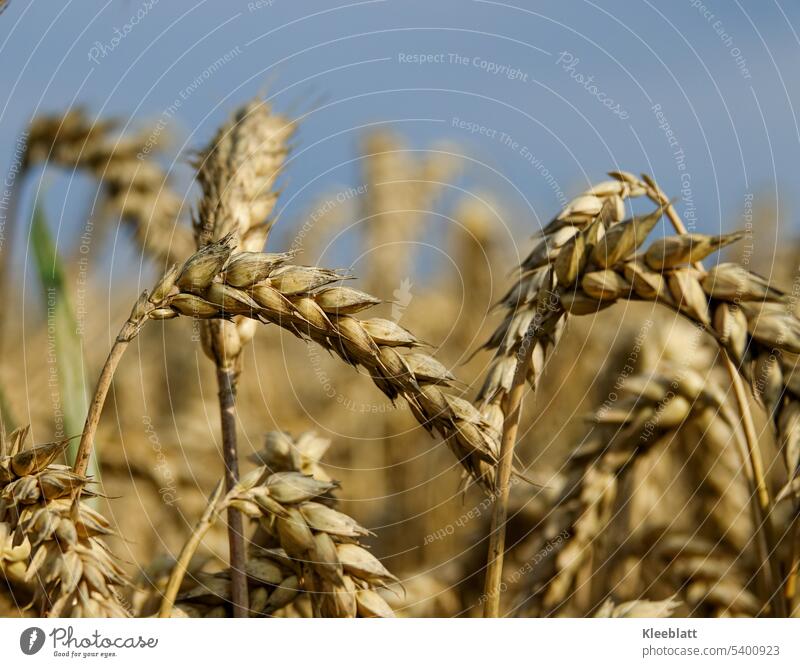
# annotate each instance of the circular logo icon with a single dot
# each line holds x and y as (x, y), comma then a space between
(31, 640)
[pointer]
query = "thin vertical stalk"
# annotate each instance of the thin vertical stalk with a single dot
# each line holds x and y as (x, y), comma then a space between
(512, 409)
(226, 381)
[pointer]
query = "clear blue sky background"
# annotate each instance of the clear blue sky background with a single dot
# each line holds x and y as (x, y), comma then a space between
(735, 122)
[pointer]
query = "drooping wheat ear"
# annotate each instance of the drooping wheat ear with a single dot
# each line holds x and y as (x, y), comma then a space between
(533, 324)
(534, 319)
(599, 265)
(216, 283)
(652, 408)
(134, 185)
(51, 545)
(311, 549)
(637, 609)
(401, 188)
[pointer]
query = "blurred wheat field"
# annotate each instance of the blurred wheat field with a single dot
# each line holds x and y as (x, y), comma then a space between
(653, 472)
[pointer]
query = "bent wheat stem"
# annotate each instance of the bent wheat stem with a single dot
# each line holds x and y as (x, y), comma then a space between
(99, 398)
(145, 308)
(182, 565)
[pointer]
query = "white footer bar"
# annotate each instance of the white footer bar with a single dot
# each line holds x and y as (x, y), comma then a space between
(402, 642)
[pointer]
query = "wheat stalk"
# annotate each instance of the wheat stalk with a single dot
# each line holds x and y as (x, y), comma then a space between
(182, 564)
(146, 306)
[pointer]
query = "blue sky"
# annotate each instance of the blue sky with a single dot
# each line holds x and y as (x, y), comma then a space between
(722, 74)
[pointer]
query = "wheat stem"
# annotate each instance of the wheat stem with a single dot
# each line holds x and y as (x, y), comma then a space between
(182, 565)
(142, 309)
(226, 382)
(497, 537)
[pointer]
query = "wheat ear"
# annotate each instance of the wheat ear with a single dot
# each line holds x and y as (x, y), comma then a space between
(134, 185)
(48, 541)
(217, 283)
(596, 261)
(652, 407)
(312, 548)
(522, 359)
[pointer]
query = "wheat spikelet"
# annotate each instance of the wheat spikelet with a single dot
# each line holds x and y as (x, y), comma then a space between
(309, 548)
(135, 188)
(51, 545)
